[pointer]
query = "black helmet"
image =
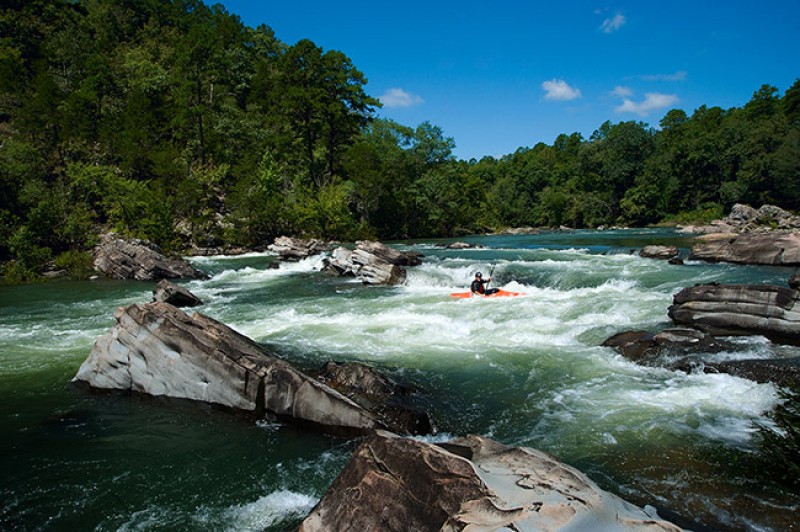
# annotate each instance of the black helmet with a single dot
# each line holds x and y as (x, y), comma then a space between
(479, 274)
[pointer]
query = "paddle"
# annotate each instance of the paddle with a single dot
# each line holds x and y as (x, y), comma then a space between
(491, 272)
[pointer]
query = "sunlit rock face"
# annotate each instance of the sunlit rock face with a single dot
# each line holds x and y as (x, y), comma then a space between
(158, 349)
(471, 483)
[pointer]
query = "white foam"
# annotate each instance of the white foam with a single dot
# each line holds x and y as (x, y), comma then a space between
(268, 510)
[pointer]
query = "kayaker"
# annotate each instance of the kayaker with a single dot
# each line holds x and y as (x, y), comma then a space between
(477, 285)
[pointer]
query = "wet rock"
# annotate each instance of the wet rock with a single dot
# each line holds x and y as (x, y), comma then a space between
(139, 259)
(776, 249)
(389, 401)
(664, 348)
(459, 245)
(168, 292)
(295, 249)
(389, 254)
(633, 345)
(794, 281)
(659, 252)
(472, 483)
(157, 349)
(739, 310)
(372, 262)
(784, 372)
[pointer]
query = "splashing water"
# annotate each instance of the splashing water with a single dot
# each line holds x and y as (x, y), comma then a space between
(527, 371)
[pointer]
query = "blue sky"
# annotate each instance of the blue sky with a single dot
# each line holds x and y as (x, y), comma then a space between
(497, 76)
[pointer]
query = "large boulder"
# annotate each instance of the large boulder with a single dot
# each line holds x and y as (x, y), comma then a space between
(176, 295)
(776, 249)
(372, 262)
(294, 249)
(659, 252)
(472, 483)
(739, 310)
(157, 349)
(139, 259)
(388, 400)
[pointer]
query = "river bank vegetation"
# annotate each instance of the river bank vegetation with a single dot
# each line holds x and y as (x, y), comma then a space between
(173, 121)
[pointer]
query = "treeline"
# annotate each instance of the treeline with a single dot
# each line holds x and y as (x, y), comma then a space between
(171, 120)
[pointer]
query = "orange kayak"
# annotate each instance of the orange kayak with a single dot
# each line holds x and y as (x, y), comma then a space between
(501, 293)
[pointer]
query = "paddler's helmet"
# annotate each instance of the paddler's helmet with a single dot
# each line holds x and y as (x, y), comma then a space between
(479, 275)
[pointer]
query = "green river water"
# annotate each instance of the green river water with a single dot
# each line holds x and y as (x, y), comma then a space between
(525, 371)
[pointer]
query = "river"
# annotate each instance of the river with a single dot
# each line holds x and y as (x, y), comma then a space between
(525, 371)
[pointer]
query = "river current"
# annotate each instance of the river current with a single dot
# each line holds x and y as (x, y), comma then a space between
(525, 371)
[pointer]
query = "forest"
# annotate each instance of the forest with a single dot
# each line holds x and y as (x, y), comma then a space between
(172, 121)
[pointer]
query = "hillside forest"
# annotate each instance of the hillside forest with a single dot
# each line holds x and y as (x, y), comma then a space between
(172, 121)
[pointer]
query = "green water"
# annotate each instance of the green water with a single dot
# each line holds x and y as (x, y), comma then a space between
(525, 371)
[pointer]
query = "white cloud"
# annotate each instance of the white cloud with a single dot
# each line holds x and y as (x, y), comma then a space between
(610, 25)
(652, 102)
(622, 92)
(680, 75)
(397, 97)
(558, 89)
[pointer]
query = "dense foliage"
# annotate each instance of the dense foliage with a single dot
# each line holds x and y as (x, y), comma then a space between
(172, 121)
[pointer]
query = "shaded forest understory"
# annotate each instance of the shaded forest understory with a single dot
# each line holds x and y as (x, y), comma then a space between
(172, 121)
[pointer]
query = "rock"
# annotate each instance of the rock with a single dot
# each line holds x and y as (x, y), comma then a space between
(167, 292)
(633, 345)
(138, 259)
(472, 483)
(784, 372)
(746, 219)
(459, 245)
(55, 274)
(739, 310)
(388, 254)
(158, 349)
(741, 215)
(659, 252)
(777, 249)
(294, 249)
(372, 262)
(520, 231)
(651, 349)
(390, 402)
(794, 281)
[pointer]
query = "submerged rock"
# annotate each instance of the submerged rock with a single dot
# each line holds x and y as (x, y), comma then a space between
(740, 310)
(662, 348)
(167, 292)
(472, 483)
(156, 348)
(138, 259)
(784, 372)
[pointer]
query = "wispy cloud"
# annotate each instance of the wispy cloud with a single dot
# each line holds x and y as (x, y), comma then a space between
(397, 97)
(653, 101)
(680, 75)
(558, 89)
(610, 25)
(622, 92)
